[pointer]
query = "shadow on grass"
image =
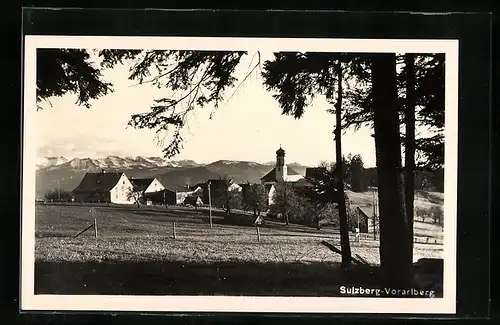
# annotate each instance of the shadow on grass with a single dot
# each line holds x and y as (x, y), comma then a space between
(176, 278)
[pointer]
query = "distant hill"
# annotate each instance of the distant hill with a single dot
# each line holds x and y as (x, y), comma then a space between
(69, 173)
(187, 176)
(243, 171)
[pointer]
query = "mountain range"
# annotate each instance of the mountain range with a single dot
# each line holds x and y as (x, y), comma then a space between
(60, 172)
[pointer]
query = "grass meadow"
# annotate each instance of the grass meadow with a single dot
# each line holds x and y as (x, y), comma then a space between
(135, 253)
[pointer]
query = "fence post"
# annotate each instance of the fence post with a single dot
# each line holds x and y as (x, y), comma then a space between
(95, 228)
(209, 204)
(173, 229)
(258, 234)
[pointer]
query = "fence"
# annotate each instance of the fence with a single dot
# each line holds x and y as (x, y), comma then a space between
(94, 225)
(237, 218)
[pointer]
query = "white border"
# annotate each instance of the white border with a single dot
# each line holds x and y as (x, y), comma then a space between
(445, 305)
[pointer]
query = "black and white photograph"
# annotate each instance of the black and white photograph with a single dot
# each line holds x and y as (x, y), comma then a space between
(212, 174)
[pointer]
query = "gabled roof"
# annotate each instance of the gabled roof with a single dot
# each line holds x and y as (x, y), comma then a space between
(141, 184)
(367, 211)
(271, 176)
(315, 172)
(157, 194)
(98, 182)
(302, 183)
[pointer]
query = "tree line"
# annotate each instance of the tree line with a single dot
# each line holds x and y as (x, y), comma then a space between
(360, 178)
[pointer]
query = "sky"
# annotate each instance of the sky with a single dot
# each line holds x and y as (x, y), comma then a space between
(248, 127)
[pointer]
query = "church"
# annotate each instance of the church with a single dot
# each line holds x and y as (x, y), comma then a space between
(281, 172)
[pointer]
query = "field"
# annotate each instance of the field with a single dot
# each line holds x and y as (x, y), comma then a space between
(135, 253)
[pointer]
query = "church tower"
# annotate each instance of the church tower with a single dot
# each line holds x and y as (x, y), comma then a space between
(281, 172)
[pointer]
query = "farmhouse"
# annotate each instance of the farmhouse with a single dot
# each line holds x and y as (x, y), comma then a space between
(162, 197)
(146, 185)
(177, 195)
(193, 200)
(105, 186)
(216, 186)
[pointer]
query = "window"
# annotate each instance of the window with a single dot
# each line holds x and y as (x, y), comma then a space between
(123, 182)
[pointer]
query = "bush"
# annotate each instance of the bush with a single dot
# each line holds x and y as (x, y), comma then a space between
(56, 195)
(330, 213)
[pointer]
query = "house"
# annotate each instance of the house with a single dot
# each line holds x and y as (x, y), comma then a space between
(365, 215)
(216, 186)
(193, 200)
(315, 172)
(177, 195)
(162, 197)
(234, 187)
(143, 186)
(111, 187)
(146, 185)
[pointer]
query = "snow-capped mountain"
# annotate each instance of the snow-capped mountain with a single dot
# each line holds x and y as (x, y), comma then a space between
(111, 162)
(50, 161)
(67, 173)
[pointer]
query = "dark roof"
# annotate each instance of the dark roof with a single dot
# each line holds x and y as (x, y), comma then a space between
(280, 152)
(220, 180)
(193, 200)
(180, 189)
(98, 182)
(156, 194)
(315, 172)
(195, 186)
(141, 184)
(302, 183)
(271, 176)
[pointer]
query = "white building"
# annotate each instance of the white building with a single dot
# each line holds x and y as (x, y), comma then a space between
(105, 187)
(144, 186)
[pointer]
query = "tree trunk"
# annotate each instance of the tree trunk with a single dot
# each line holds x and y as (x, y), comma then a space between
(344, 231)
(409, 174)
(395, 241)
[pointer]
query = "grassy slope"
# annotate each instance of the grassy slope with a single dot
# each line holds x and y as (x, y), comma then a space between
(145, 234)
(136, 254)
(422, 201)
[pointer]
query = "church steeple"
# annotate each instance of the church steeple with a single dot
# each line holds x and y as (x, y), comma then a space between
(281, 170)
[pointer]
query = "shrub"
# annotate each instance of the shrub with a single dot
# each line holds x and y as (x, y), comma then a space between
(56, 195)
